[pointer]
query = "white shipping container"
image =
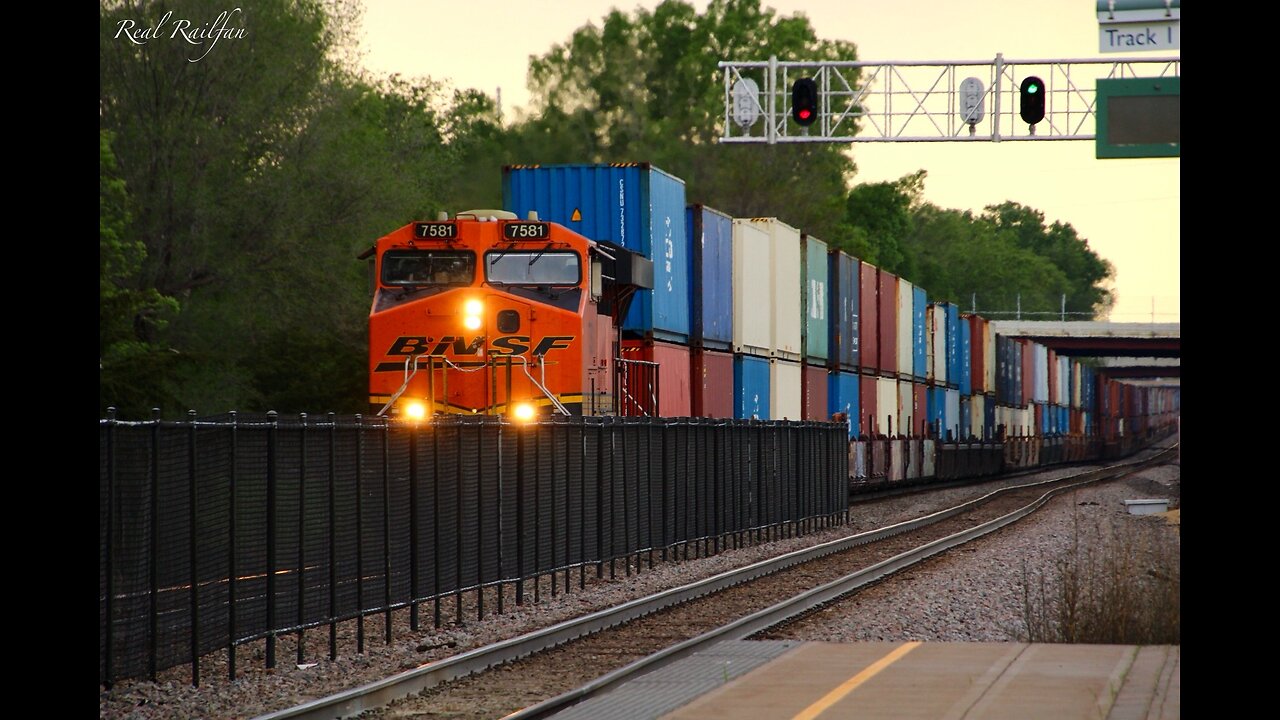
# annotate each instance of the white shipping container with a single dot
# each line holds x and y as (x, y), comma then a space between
(938, 329)
(785, 281)
(752, 290)
(951, 416)
(906, 300)
(1040, 373)
(887, 406)
(906, 408)
(989, 357)
(785, 400)
(977, 406)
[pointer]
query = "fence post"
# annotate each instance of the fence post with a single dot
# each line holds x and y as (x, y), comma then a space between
(333, 542)
(386, 528)
(302, 532)
(501, 490)
(435, 518)
(272, 427)
(479, 522)
(600, 498)
(152, 570)
(537, 513)
(457, 524)
(108, 665)
(359, 533)
(231, 553)
(192, 538)
(626, 500)
(520, 433)
(413, 526)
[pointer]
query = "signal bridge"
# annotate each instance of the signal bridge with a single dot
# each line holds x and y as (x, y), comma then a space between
(923, 101)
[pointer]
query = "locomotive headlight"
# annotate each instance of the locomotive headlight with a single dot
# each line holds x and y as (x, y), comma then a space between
(415, 411)
(471, 310)
(523, 412)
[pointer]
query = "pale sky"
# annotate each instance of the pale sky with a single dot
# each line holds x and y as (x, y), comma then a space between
(1128, 209)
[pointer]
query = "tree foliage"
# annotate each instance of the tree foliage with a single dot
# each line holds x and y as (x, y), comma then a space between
(131, 316)
(1001, 260)
(239, 182)
(641, 87)
(259, 173)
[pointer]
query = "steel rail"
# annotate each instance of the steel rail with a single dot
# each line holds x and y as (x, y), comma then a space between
(805, 602)
(382, 692)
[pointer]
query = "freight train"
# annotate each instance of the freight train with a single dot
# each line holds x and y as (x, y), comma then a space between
(599, 291)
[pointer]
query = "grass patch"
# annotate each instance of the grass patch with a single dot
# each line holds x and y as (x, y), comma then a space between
(1120, 584)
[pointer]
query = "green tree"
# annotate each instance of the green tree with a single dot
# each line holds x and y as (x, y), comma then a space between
(130, 318)
(1085, 270)
(880, 215)
(260, 172)
(640, 88)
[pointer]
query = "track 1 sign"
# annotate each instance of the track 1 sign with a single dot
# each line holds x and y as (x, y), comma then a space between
(1129, 25)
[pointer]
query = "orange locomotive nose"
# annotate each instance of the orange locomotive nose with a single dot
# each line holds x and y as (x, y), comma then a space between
(473, 316)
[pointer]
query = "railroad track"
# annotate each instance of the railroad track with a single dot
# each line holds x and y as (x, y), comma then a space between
(646, 633)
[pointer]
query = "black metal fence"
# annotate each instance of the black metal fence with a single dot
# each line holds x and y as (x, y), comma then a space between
(223, 531)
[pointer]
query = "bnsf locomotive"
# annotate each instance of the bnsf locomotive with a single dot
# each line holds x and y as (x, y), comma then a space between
(485, 313)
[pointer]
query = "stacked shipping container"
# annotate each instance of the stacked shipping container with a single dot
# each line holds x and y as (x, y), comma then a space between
(751, 318)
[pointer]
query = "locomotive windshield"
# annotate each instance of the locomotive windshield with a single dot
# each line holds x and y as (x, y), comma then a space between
(434, 267)
(533, 268)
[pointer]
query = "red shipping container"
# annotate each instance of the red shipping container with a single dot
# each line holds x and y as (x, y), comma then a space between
(867, 398)
(813, 383)
(887, 295)
(869, 320)
(712, 382)
(674, 392)
(1053, 379)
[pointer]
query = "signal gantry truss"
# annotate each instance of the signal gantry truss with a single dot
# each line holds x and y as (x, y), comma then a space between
(921, 101)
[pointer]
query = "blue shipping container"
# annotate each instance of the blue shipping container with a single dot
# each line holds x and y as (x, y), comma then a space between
(936, 400)
(951, 415)
(966, 382)
(966, 422)
(919, 348)
(750, 387)
(953, 344)
(842, 396)
(842, 270)
(634, 205)
(711, 265)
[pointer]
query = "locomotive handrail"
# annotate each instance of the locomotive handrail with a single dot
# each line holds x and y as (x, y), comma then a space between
(407, 377)
(524, 364)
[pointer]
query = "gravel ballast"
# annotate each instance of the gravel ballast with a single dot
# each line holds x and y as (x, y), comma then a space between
(977, 605)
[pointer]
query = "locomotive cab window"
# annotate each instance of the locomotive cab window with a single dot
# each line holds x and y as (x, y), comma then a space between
(435, 267)
(541, 267)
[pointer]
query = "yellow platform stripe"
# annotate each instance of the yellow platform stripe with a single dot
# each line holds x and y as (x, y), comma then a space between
(849, 685)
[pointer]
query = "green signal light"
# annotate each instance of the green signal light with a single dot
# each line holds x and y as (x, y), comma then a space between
(1033, 89)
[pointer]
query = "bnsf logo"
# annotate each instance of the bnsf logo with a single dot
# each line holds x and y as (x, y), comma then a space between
(505, 345)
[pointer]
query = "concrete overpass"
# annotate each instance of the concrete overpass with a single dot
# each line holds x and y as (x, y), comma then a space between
(1131, 350)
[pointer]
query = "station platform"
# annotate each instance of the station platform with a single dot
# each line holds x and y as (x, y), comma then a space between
(746, 680)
